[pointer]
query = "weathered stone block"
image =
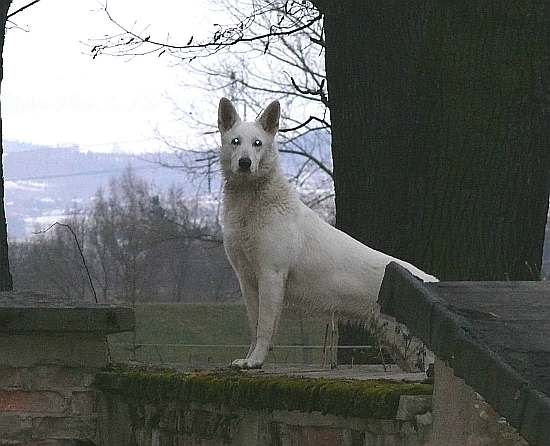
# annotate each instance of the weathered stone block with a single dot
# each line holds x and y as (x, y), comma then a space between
(69, 428)
(57, 377)
(15, 426)
(383, 426)
(83, 402)
(354, 438)
(316, 436)
(42, 349)
(372, 439)
(25, 401)
(412, 405)
(11, 377)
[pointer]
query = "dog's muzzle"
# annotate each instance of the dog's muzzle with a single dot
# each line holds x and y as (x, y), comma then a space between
(244, 164)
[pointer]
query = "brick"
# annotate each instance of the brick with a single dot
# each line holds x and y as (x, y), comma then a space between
(15, 426)
(315, 436)
(354, 438)
(383, 426)
(46, 378)
(43, 349)
(11, 377)
(83, 403)
(392, 440)
(25, 401)
(373, 439)
(64, 428)
(57, 377)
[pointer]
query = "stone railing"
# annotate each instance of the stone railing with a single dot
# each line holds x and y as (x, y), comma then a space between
(50, 351)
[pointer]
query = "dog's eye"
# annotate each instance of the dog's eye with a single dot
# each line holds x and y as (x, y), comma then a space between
(257, 143)
(235, 141)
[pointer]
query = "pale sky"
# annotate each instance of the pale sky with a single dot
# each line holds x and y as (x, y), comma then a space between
(54, 93)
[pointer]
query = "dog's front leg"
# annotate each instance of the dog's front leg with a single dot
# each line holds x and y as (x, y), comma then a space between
(249, 290)
(271, 287)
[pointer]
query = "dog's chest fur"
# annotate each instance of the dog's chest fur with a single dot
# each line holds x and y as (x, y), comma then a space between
(252, 213)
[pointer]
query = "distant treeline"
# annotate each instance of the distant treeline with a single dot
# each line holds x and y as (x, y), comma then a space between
(139, 245)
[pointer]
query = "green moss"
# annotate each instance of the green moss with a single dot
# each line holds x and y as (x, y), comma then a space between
(232, 389)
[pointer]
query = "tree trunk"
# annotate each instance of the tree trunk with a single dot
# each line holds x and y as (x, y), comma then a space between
(6, 283)
(440, 132)
(441, 136)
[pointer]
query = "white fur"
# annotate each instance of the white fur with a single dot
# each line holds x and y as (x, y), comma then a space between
(281, 249)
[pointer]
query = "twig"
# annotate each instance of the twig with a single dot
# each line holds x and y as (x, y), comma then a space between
(22, 8)
(306, 122)
(67, 226)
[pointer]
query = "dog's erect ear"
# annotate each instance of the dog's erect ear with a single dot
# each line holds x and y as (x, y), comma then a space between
(269, 119)
(227, 115)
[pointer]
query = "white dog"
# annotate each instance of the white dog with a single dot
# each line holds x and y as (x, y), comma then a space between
(279, 248)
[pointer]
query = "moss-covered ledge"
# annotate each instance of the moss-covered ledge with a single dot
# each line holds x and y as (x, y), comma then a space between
(374, 399)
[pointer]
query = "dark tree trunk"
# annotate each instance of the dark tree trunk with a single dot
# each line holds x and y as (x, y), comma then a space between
(441, 131)
(6, 283)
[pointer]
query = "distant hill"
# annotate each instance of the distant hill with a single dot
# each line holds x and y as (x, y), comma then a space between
(43, 183)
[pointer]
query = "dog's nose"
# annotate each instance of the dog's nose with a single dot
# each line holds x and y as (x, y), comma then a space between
(245, 163)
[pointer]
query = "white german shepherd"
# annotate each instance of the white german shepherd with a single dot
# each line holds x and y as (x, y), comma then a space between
(281, 249)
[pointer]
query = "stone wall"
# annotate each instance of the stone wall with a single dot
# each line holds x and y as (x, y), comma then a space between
(236, 414)
(50, 352)
(45, 388)
(463, 418)
(207, 425)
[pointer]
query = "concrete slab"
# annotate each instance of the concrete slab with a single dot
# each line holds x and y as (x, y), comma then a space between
(25, 312)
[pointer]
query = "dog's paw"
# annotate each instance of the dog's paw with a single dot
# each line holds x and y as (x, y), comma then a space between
(246, 364)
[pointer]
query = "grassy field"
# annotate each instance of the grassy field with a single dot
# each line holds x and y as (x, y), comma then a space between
(215, 327)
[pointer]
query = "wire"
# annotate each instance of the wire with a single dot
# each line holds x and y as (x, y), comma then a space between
(81, 174)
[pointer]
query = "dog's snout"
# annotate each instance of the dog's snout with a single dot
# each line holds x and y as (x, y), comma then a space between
(245, 163)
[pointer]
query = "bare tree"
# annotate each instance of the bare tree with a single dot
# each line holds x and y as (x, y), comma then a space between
(134, 231)
(134, 244)
(53, 262)
(287, 66)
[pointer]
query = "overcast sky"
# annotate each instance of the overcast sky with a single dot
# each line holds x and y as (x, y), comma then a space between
(54, 93)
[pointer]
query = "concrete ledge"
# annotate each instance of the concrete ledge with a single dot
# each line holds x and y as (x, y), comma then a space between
(30, 312)
(490, 337)
(375, 399)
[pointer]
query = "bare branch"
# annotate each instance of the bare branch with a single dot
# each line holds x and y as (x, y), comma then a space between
(307, 91)
(317, 161)
(67, 226)
(305, 123)
(17, 11)
(129, 42)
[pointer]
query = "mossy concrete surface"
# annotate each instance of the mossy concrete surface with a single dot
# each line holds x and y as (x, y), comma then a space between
(375, 399)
